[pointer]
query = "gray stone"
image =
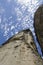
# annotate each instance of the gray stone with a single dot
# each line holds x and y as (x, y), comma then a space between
(39, 25)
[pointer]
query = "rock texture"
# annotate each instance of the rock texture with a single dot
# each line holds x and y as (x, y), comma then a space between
(39, 25)
(20, 50)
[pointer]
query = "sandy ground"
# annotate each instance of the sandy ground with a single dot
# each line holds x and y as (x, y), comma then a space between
(20, 50)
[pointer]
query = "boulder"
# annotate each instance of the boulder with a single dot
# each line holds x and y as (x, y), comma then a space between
(38, 23)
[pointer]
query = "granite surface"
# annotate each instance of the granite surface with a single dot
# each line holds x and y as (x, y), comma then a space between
(20, 50)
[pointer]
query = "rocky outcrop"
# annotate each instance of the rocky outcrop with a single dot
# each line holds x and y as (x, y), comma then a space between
(20, 50)
(38, 19)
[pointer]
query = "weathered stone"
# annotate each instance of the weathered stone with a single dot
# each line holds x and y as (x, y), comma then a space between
(39, 25)
(17, 52)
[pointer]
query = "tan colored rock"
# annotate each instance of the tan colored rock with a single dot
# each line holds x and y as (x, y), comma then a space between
(18, 52)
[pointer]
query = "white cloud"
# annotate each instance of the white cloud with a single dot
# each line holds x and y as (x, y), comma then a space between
(19, 14)
(12, 27)
(24, 1)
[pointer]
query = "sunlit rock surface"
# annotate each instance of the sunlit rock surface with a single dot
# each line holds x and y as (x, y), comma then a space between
(20, 50)
(39, 25)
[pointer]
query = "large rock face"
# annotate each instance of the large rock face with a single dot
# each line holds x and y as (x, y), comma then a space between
(20, 50)
(39, 25)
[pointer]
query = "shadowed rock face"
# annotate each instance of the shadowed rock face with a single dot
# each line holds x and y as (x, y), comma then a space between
(38, 18)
